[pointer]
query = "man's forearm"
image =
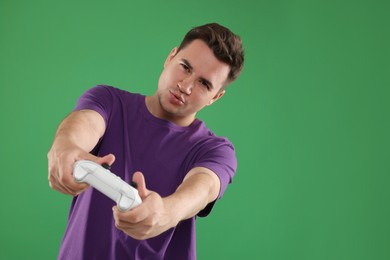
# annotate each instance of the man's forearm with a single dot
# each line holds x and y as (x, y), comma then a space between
(76, 136)
(198, 189)
(82, 128)
(156, 215)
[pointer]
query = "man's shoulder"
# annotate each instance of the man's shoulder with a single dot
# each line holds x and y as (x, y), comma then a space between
(113, 94)
(105, 99)
(114, 90)
(208, 138)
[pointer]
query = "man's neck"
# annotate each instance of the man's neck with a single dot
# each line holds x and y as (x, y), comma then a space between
(154, 107)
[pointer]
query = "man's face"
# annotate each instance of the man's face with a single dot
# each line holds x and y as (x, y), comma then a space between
(192, 79)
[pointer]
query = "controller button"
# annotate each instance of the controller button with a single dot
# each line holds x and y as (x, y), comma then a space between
(106, 166)
(134, 184)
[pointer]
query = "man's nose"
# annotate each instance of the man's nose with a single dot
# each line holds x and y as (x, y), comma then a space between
(186, 85)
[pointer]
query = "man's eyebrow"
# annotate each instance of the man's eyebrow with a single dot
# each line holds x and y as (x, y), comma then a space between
(188, 64)
(208, 83)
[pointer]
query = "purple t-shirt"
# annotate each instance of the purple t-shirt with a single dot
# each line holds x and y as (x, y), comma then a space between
(164, 152)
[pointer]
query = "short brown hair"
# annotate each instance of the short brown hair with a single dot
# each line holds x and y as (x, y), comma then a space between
(226, 46)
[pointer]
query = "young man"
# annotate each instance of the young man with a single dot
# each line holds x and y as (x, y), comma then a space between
(180, 166)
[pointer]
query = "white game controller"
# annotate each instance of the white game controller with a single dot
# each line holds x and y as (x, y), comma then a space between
(125, 196)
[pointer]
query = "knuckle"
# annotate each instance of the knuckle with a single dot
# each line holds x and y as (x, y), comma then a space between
(148, 224)
(63, 179)
(133, 219)
(144, 234)
(49, 154)
(139, 237)
(51, 178)
(118, 224)
(152, 221)
(73, 193)
(51, 172)
(52, 168)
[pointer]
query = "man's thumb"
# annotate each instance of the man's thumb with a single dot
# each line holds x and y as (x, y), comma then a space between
(139, 179)
(108, 159)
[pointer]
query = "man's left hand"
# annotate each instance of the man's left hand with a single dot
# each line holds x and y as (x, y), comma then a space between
(149, 219)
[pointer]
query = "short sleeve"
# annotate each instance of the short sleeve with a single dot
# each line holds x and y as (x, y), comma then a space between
(99, 99)
(220, 158)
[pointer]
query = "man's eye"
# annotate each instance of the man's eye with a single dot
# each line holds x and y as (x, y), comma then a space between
(205, 84)
(185, 67)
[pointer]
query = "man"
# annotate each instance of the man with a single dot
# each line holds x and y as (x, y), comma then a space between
(180, 166)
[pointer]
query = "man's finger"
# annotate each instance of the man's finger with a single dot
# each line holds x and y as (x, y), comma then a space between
(108, 159)
(139, 179)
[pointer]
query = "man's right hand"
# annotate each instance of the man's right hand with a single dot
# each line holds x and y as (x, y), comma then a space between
(61, 169)
(75, 137)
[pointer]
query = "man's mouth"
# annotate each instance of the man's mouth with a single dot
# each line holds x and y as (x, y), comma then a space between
(177, 96)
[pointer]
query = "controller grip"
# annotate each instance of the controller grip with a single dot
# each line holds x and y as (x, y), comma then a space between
(107, 183)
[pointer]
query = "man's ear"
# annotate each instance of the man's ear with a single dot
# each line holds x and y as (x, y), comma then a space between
(216, 97)
(170, 56)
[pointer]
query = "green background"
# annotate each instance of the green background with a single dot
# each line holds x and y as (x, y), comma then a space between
(309, 118)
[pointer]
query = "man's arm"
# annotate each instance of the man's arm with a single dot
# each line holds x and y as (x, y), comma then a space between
(76, 136)
(155, 215)
(200, 187)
